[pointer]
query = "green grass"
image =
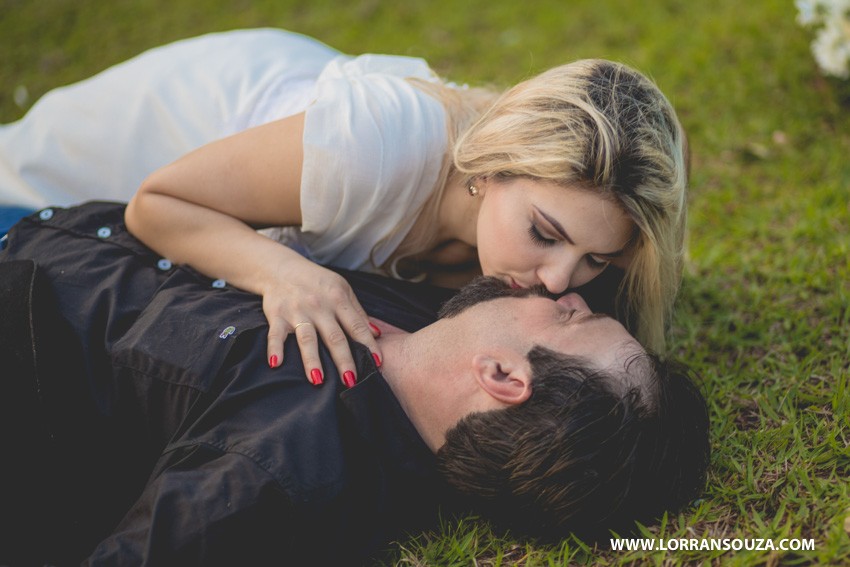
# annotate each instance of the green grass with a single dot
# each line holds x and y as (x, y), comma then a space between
(764, 311)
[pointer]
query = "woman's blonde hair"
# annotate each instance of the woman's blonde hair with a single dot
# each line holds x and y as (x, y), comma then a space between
(463, 107)
(603, 127)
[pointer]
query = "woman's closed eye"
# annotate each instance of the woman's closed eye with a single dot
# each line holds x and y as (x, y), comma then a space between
(538, 238)
(593, 261)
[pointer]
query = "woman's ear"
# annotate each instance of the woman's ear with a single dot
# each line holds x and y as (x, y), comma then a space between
(508, 382)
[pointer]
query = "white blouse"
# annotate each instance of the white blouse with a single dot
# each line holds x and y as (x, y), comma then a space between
(373, 143)
(99, 138)
(373, 148)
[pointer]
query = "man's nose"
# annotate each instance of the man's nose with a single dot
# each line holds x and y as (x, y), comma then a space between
(574, 301)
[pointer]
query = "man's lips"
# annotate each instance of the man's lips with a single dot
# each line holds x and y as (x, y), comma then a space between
(513, 284)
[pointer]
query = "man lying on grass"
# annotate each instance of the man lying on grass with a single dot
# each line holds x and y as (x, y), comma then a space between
(145, 426)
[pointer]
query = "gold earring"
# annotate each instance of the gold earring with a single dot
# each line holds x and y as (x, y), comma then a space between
(472, 190)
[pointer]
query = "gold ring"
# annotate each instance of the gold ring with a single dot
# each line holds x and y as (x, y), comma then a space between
(302, 323)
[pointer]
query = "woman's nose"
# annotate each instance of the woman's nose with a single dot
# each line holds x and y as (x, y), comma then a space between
(557, 276)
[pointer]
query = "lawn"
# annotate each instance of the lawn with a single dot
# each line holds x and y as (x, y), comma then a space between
(763, 313)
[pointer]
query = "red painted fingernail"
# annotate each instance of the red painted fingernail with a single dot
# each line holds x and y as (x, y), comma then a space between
(348, 378)
(377, 359)
(273, 361)
(375, 330)
(316, 376)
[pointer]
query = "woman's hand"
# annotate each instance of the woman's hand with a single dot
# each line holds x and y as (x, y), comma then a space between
(203, 209)
(316, 304)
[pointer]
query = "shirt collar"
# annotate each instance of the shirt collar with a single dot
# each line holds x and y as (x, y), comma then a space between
(381, 421)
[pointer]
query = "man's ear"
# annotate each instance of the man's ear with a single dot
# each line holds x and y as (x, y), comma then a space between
(509, 383)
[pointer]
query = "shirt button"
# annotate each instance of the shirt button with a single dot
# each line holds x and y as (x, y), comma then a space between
(219, 284)
(104, 232)
(164, 264)
(46, 214)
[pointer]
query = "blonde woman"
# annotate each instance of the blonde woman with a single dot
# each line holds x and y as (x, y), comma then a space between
(374, 163)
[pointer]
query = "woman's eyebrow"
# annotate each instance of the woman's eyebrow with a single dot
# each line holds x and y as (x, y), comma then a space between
(560, 230)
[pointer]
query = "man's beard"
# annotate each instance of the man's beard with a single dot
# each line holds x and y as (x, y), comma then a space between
(486, 288)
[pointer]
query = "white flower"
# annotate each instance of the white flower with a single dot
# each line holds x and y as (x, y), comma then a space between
(806, 13)
(831, 49)
(831, 46)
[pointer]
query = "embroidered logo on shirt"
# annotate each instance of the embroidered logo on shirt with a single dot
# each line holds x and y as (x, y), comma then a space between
(229, 330)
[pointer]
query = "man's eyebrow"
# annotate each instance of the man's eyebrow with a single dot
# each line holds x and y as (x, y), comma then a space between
(560, 229)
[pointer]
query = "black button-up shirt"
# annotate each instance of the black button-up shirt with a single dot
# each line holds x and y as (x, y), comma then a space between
(177, 444)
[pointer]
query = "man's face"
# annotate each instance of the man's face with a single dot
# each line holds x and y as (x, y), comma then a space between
(530, 317)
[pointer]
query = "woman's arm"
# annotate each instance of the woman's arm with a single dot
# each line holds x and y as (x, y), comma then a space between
(203, 209)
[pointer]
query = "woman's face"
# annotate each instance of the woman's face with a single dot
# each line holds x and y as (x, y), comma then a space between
(534, 232)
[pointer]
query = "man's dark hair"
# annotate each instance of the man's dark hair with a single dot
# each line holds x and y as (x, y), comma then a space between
(585, 453)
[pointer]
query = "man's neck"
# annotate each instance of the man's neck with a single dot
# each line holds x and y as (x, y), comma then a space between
(415, 370)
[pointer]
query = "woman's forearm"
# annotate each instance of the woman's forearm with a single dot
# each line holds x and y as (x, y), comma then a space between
(214, 243)
(202, 210)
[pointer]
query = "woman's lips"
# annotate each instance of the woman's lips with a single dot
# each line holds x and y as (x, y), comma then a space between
(513, 284)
